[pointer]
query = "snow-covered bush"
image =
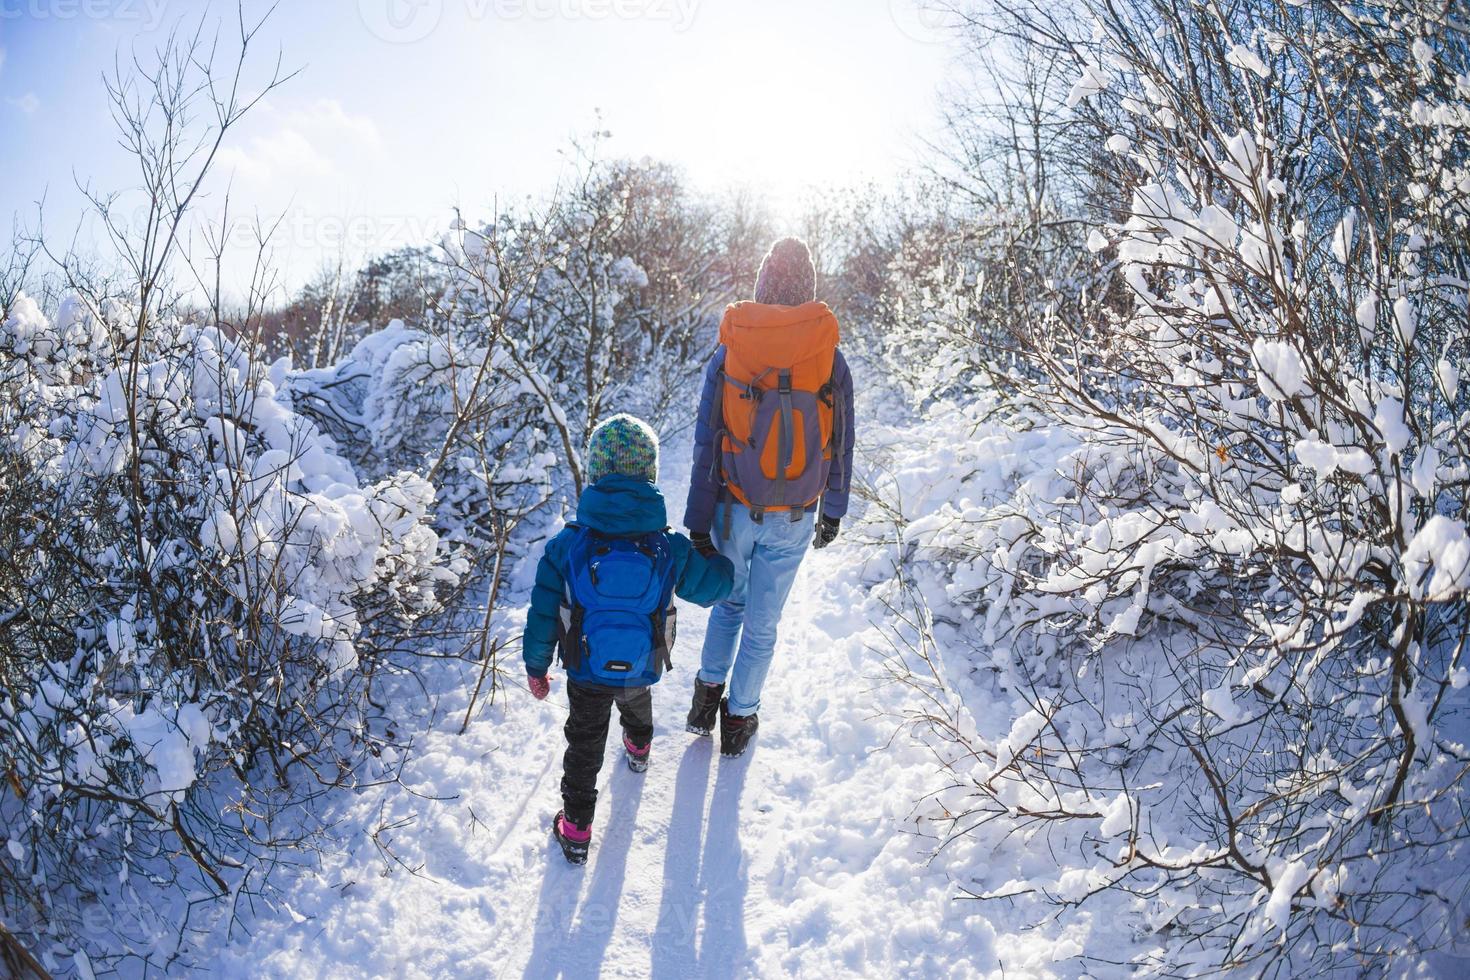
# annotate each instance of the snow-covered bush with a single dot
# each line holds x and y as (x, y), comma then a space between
(989, 241)
(607, 299)
(197, 583)
(1236, 604)
(199, 586)
(338, 306)
(948, 310)
(451, 402)
(443, 405)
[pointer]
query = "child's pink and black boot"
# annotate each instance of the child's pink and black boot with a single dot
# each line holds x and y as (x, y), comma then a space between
(637, 756)
(575, 839)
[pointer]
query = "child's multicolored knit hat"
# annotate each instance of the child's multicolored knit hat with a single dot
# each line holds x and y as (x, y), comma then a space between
(623, 444)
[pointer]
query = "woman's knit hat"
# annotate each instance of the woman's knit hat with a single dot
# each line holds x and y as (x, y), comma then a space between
(623, 444)
(787, 276)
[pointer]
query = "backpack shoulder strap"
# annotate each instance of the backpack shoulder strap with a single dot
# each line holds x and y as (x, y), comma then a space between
(832, 397)
(583, 537)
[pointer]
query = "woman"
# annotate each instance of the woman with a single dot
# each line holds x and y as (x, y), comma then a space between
(773, 450)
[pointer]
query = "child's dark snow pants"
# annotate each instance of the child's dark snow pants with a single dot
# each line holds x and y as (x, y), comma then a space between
(586, 730)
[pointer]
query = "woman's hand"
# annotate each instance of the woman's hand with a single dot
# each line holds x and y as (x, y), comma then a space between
(703, 543)
(827, 529)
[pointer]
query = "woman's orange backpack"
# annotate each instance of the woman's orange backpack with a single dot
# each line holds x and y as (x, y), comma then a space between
(776, 413)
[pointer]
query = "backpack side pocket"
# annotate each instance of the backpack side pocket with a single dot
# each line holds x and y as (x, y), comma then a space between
(569, 635)
(663, 653)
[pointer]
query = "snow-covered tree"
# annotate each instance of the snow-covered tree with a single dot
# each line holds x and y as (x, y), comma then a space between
(199, 586)
(1236, 597)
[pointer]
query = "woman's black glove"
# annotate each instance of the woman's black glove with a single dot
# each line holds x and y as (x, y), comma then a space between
(827, 529)
(703, 543)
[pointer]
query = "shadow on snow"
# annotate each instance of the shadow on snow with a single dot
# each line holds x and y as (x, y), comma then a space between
(705, 879)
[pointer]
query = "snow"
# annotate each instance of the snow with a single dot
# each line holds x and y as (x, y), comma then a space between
(1218, 227)
(1392, 429)
(1279, 369)
(1448, 376)
(1367, 317)
(1342, 238)
(1093, 81)
(683, 857)
(1126, 622)
(1245, 59)
(1442, 545)
(1289, 880)
(1023, 731)
(628, 273)
(168, 745)
(1117, 816)
(1220, 701)
(1406, 319)
(1242, 160)
(1422, 52)
(777, 863)
(1326, 458)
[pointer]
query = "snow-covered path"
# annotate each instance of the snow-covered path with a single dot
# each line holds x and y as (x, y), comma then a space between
(797, 858)
(687, 875)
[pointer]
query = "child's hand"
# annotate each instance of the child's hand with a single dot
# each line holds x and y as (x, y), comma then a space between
(540, 686)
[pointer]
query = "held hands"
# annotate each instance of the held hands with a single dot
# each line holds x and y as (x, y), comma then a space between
(540, 686)
(703, 543)
(827, 529)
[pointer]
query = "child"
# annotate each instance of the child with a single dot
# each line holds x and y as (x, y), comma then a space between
(604, 596)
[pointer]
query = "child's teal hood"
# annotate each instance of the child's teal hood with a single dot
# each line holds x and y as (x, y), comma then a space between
(622, 506)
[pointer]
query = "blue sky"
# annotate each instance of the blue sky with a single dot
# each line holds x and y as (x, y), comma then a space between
(407, 108)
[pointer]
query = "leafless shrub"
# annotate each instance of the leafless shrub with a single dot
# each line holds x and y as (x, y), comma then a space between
(198, 588)
(1236, 599)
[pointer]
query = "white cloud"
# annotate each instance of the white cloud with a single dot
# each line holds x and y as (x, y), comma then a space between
(329, 114)
(2, 59)
(27, 103)
(285, 152)
(299, 142)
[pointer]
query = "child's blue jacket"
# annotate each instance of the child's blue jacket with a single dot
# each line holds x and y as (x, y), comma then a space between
(618, 506)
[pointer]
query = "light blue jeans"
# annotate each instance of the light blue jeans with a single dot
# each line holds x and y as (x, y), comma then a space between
(766, 557)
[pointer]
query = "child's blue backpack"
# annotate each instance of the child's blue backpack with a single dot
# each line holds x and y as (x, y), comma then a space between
(617, 618)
